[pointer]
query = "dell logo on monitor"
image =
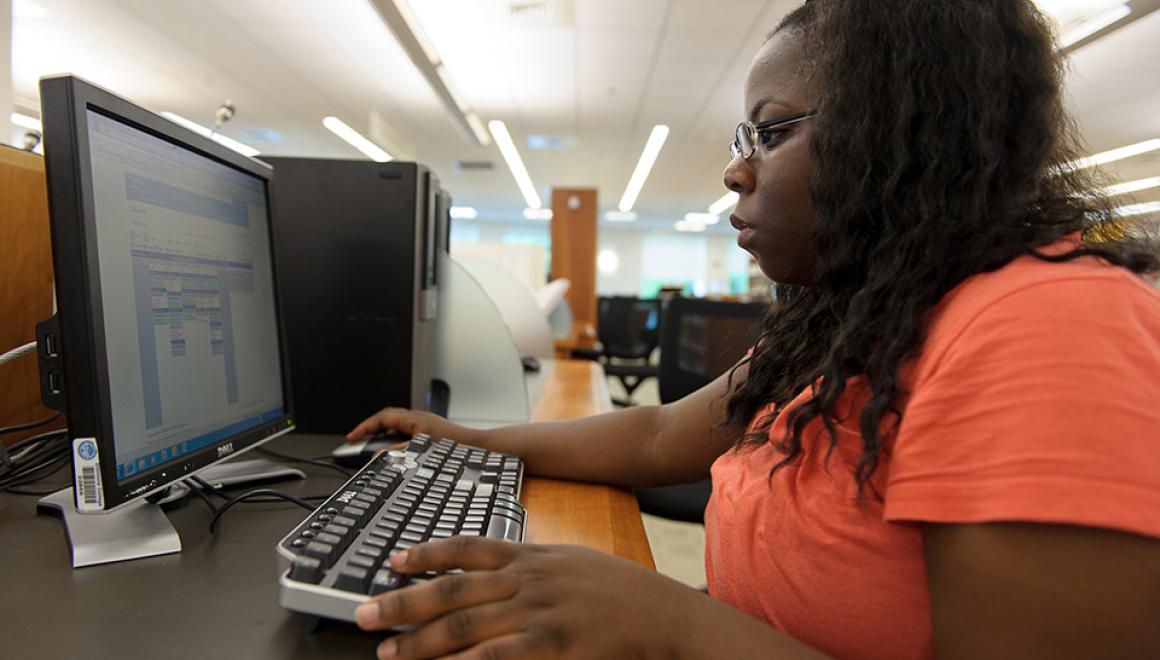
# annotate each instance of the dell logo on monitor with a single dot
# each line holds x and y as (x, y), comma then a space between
(225, 450)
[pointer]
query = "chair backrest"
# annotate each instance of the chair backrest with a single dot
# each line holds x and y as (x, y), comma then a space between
(702, 339)
(628, 327)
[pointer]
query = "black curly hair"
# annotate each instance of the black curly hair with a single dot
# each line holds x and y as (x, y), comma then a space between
(939, 152)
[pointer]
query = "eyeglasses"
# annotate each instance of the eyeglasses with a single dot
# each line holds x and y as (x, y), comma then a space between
(745, 137)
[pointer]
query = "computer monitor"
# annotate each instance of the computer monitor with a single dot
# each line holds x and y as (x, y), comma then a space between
(166, 352)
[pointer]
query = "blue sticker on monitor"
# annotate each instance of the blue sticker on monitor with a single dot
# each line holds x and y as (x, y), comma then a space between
(87, 449)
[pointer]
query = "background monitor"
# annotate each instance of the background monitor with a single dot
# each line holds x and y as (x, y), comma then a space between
(170, 344)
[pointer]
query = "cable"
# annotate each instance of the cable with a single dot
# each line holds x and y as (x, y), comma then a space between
(29, 425)
(201, 494)
(35, 458)
(17, 352)
(268, 492)
(308, 461)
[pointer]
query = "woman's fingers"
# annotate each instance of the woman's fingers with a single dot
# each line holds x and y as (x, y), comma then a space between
(457, 630)
(384, 420)
(429, 600)
(471, 553)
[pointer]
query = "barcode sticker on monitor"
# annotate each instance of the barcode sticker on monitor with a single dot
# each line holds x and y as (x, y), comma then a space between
(87, 472)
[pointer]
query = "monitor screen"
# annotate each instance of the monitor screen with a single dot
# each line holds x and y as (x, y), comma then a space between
(172, 354)
(187, 289)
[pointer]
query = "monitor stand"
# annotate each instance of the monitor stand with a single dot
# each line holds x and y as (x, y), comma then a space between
(141, 529)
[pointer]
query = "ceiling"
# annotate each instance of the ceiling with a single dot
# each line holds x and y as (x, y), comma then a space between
(597, 75)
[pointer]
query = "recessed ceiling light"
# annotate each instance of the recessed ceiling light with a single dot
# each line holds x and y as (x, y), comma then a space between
(464, 212)
(685, 225)
(620, 216)
(356, 140)
(1131, 186)
(1137, 209)
(648, 157)
(24, 121)
(703, 218)
(1113, 155)
(727, 201)
(538, 214)
(244, 149)
(511, 156)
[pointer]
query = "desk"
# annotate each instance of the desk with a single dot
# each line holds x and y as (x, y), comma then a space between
(219, 597)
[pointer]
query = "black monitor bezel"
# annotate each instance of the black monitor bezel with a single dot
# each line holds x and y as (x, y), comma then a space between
(65, 101)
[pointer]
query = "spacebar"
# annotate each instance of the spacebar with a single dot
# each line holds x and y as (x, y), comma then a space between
(502, 527)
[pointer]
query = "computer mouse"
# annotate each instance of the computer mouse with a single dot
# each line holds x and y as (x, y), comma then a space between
(530, 363)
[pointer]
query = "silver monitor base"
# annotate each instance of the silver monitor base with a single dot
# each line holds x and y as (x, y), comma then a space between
(141, 529)
(138, 530)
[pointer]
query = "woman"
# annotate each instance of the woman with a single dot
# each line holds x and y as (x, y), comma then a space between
(944, 443)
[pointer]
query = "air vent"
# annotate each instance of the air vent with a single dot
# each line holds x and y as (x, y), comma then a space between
(528, 8)
(536, 13)
(550, 142)
(474, 165)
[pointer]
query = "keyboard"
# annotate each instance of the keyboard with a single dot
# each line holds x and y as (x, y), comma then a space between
(336, 558)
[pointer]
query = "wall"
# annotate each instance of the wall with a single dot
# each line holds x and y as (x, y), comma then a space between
(710, 261)
(9, 133)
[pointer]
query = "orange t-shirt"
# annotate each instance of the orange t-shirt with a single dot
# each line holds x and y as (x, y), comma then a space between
(1036, 397)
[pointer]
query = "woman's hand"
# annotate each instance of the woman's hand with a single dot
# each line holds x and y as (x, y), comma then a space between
(531, 601)
(411, 422)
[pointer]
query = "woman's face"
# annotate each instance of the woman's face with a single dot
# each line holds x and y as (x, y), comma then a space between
(775, 215)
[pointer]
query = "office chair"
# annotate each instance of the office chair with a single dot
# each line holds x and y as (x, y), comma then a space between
(699, 340)
(628, 329)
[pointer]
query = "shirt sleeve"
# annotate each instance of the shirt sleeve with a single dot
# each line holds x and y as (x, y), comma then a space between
(1043, 407)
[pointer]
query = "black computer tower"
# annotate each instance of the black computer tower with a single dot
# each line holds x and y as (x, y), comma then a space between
(356, 246)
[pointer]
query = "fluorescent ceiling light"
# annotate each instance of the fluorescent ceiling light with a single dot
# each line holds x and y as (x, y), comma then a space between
(405, 26)
(1131, 186)
(356, 140)
(24, 121)
(652, 149)
(29, 9)
(464, 213)
(620, 216)
(511, 156)
(1092, 25)
(243, 149)
(728, 201)
(1137, 209)
(1113, 155)
(703, 218)
(477, 129)
(685, 225)
(538, 214)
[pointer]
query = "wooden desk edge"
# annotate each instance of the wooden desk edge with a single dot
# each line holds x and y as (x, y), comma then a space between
(609, 517)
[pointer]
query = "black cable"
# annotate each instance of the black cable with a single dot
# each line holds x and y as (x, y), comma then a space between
(308, 461)
(201, 493)
(43, 455)
(29, 425)
(267, 492)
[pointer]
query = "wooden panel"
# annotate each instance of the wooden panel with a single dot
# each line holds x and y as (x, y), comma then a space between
(599, 517)
(25, 284)
(574, 250)
(576, 388)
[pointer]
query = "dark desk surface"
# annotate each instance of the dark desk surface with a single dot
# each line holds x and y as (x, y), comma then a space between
(218, 598)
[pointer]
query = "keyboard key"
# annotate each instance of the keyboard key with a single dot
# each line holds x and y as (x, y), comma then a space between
(502, 527)
(306, 569)
(352, 578)
(361, 561)
(386, 580)
(322, 551)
